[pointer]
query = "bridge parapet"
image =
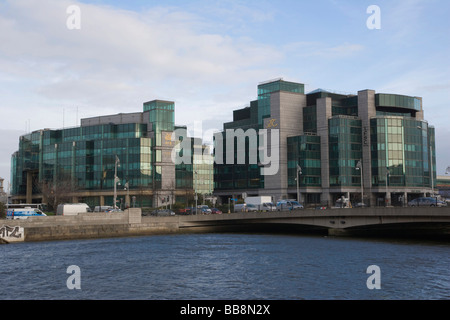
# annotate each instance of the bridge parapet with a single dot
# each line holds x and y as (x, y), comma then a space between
(330, 219)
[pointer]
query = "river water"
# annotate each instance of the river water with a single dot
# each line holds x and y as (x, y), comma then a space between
(226, 266)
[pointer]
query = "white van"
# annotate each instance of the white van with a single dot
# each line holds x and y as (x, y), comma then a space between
(72, 209)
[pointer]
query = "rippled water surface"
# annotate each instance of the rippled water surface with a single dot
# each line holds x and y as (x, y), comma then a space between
(226, 266)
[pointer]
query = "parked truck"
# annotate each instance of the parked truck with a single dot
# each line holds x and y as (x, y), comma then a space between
(262, 203)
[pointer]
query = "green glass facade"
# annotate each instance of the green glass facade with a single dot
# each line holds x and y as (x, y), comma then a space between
(83, 159)
(397, 101)
(238, 176)
(305, 152)
(402, 152)
(248, 175)
(345, 150)
(161, 116)
(327, 136)
(310, 119)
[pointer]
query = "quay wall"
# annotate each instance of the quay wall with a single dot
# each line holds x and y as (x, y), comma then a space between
(132, 223)
(92, 225)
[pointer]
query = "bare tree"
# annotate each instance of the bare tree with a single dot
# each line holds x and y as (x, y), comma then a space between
(57, 192)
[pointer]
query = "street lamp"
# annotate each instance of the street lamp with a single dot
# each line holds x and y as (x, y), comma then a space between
(359, 167)
(116, 180)
(195, 191)
(127, 199)
(299, 171)
(387, 198)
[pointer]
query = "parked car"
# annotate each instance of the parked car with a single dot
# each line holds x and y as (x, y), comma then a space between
(240, 207)
(185, 211)
(102, 208)
(244, 207)
(216, 211)
(251, 208)
(288, 205)
(427, 202)
(162, 213)
(268, 206)
(191, 210)
(359, 205)
(205, 210)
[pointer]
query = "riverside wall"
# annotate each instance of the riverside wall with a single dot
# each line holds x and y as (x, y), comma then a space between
(339, 222)
(85, 226)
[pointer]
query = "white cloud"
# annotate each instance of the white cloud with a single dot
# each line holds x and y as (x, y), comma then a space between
(323, 50)
(202, 58)
(404, 20)
(118, 57)
(50, 75)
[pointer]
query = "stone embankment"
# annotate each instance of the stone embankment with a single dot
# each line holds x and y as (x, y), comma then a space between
(85, 226)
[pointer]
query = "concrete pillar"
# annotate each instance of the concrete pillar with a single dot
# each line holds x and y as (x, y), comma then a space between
(323, 113)
(366, 111)
(419, 114)
(102, 200)
(373, 199)
(325, 198)
(134, 215)
(286, 115)
(127, 201)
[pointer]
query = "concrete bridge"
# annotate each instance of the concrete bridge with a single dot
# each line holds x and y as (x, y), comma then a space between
(429, 222)
(364, 221)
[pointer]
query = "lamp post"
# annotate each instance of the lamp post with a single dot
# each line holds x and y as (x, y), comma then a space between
(116, 180)
(431, 171)
(299, 171)
(195, 191)
(387, 198)
(359, 168)
(127, 199)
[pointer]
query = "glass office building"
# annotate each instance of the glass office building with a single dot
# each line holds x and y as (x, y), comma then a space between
(79, 164)
(368, 144)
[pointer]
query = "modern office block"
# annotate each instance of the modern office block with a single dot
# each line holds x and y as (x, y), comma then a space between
(370, 144)
(80, 164)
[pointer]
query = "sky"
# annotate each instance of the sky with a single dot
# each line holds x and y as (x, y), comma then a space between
(58, 66)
